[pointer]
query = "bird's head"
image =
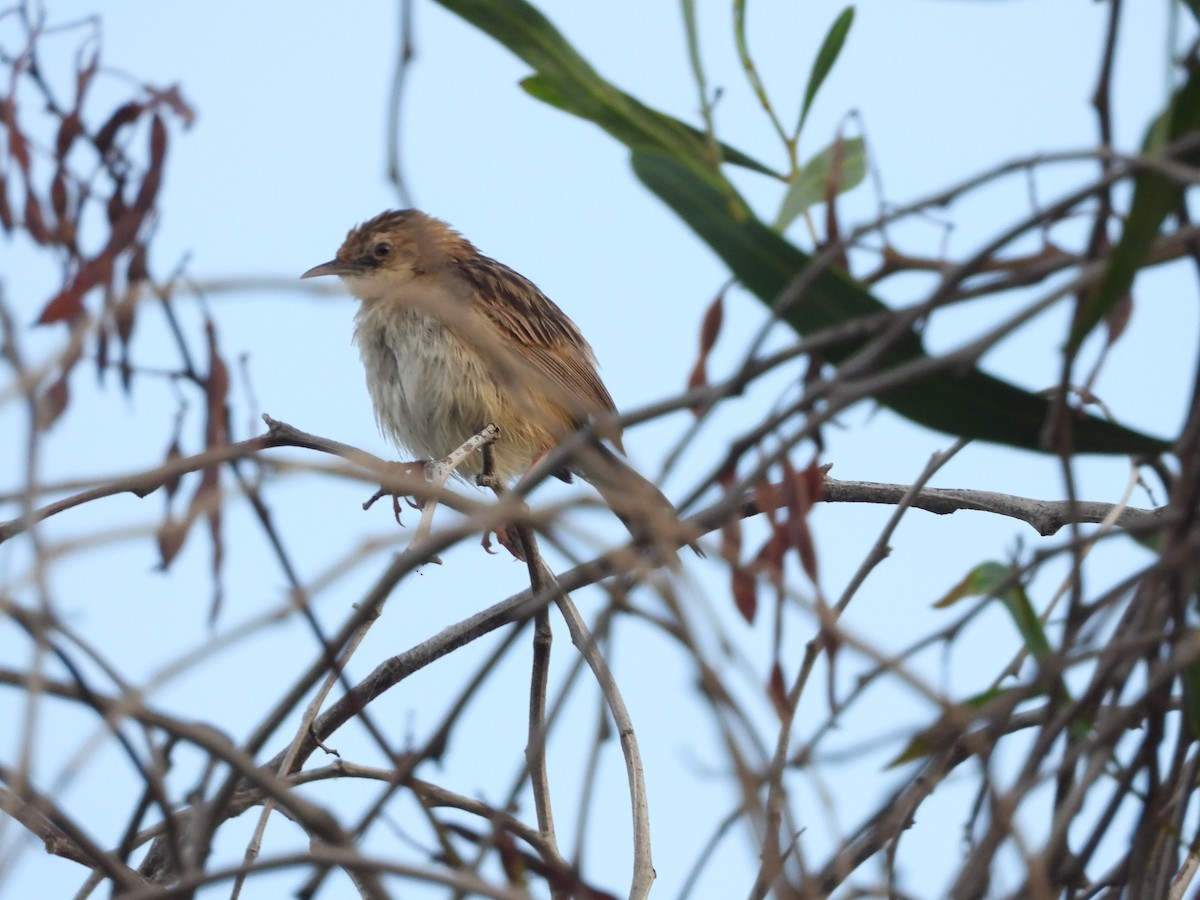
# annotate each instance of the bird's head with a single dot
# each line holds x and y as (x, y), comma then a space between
(391, 250)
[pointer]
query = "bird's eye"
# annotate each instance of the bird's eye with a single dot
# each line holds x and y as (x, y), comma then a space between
(382, 250)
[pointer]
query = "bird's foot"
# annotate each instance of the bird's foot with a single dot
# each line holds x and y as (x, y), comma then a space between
(508, 540)
(402, 470)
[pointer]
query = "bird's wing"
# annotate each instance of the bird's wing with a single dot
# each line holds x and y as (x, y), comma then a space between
(548, 341)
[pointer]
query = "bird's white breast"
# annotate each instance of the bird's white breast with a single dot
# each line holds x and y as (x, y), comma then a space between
(430, 392)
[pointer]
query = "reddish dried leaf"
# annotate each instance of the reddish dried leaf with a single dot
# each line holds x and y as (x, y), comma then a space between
(123, 115)
(808, 552)
(207, 495)
(116, 207)
(206, 501)
(777, 691)
(745, 593)
(123, 316)
(171, 485)
(101, 354)
(216, 433)
(153, 180)
(710, 328)
(53, 402)
(65, 305)
(797, 489)
(68, 129)
(218, 555)
(68, 303)
(137, 270)
(217, 389)
(768, 498)
(35, 223)
(173, 100)
(697, 378)
(731, 541)
(6, 213)
(59, 195)
(18, 144)
(143, 203)
(124, 231)
(83, 77)
(170, 536)
(727, 475)
(512, 861)
(770, 556)
(801, 490)
(830, 637)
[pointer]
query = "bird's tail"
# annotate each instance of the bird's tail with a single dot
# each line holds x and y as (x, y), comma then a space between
(650, 517)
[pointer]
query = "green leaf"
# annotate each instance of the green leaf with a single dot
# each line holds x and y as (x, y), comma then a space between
(1191, 698)
(1154, 196)
(831, 47)
(952, 724)
(808, 187)
(982, 579)
(544, 90)
(566, 80)
(1016, 601)
(969, 404)
(990, 578)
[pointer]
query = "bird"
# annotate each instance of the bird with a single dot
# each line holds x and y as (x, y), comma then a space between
(452, 340)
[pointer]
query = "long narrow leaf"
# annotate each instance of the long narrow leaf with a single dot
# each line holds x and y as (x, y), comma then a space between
(1154, 196)
(808, 185)
(971, 404)
(831, 48)
(542, 89)
(566, 80)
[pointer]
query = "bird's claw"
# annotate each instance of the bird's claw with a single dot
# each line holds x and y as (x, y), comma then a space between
(404, 470)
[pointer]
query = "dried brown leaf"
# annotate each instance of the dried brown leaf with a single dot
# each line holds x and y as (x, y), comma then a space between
(710, 329)
(69, 129)
(216, 387)
(122, 116)
(170, 537)
(124, 316)
(745, 593)
(102, 338)
(148, 192)
(18, 144)
(777, 691)
(116, 207)
(801, 490)
(173, 100)
(770, 556)
(84, 76)
(171, 485)
(68, 303)
(59, 195)
(35, 222)
(6, 213)
(137, 271)
(53, 402)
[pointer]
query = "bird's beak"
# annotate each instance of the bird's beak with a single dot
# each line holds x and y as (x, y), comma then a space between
(333, 267)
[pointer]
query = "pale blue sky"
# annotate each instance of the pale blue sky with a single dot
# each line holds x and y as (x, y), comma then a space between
(288, 152)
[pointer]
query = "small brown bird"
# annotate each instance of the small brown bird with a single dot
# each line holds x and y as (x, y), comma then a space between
(453, 340)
